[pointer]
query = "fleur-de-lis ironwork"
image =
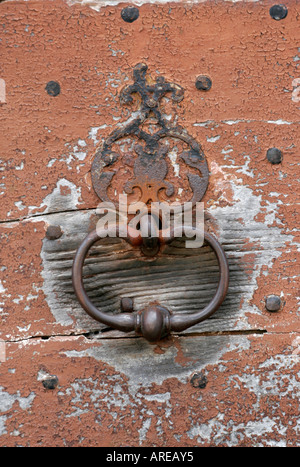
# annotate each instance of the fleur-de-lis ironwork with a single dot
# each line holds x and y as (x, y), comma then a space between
(150, 169)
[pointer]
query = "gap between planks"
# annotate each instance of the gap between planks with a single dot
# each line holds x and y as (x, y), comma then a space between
(110, 334)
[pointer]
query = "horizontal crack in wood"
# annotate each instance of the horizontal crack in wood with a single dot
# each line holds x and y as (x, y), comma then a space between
(108, 333)
(33, 216)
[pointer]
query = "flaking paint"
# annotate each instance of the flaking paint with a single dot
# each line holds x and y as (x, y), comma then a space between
(127, 391)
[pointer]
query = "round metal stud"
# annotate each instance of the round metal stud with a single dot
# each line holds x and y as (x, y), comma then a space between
(278, 12)
(274, 155)
(53, 88)
(130, 14)
(203, 83)
(273, 303)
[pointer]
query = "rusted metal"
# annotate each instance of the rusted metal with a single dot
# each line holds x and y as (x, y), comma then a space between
(278, 12)
(273, 303)
(150, 171)
(199, 380)
(150, 168)
(53, 232)
(126, 305)
(150, 235)
(53, 88)
(130, 14)
(274, 155)
(50, 382)
(155, 322)
(203, 83)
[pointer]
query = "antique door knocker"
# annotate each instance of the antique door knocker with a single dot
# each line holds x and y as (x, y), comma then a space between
(139, 168)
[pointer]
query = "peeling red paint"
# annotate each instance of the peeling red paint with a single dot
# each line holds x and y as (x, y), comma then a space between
(240, 395)
(126, 392)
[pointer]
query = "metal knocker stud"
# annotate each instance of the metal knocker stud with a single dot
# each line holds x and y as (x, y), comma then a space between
(144, 156)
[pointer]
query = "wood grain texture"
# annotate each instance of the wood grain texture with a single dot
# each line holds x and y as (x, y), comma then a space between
(184, 280)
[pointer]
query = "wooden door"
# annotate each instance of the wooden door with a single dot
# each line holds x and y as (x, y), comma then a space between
(67, 380)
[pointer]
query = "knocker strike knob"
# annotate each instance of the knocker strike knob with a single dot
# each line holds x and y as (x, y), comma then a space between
(153, 323)
(148, 182)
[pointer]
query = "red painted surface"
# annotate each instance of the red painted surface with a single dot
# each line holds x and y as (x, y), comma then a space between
(126, 392)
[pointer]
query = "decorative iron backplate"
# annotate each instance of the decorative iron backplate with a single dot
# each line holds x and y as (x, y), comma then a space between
(139, 162)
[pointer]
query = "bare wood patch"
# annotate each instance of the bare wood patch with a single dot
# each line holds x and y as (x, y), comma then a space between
(183, 280)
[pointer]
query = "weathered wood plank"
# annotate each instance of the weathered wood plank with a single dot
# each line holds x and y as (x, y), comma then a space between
(184, 280)
(123, 391)
(187, 391)
(50, 142)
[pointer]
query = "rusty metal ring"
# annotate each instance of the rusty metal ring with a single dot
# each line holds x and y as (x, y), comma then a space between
(155, 321)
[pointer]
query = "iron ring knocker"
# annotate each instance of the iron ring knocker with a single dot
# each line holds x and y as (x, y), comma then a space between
(147, 172)
(154, 322)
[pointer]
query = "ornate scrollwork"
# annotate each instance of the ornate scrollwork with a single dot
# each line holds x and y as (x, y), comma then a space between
(149, 168)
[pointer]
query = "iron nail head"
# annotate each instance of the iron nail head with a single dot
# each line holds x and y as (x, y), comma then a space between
(53, 88)
(203, 83)
(278, 12)
(53, 232)
(130, 14)
(274, 155)
(273, 303)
